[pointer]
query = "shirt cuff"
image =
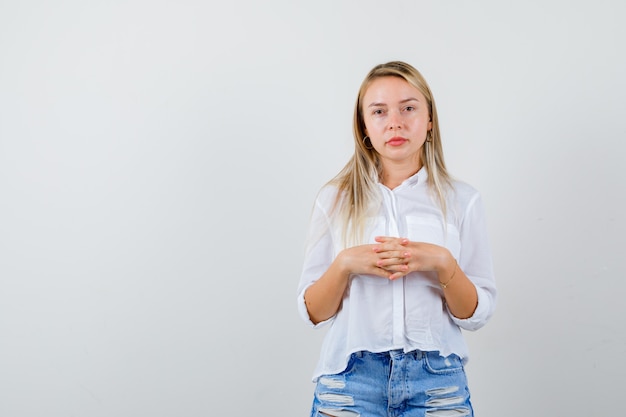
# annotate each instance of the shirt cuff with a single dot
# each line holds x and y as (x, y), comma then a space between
(304, 313)
(481, 314)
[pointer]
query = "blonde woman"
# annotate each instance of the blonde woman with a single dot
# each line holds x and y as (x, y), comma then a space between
(397, 263)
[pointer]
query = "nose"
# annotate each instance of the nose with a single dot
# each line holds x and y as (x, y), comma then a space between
(394, 121)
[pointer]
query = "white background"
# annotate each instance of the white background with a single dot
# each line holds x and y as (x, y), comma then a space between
(158, 163)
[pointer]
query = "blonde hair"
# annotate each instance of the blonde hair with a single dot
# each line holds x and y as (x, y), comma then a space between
(358, 194)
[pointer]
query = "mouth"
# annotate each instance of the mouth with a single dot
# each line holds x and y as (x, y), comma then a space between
(396, 141)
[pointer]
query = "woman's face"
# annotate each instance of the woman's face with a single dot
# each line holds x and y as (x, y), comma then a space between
(396, 120)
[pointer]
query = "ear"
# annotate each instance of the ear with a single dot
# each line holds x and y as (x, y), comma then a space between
(430, 125)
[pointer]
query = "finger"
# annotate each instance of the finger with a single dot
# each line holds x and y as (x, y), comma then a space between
(396, 275)
(381, 272)
(393, 265)
(394, 254)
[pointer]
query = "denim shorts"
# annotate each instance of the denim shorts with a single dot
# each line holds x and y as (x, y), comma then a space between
(395, 384)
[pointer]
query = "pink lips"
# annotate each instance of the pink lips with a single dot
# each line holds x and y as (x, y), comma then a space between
(396, 141)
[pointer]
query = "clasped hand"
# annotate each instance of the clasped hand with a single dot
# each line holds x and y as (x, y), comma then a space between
(394, 257)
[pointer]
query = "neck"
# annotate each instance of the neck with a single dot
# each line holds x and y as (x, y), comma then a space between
(393, 176)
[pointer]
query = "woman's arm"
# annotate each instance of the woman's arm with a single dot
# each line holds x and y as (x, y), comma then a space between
(323, 298)
(403, 256)
(458, 290)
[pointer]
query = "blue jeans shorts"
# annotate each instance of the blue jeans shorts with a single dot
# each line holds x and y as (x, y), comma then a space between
(394, 384)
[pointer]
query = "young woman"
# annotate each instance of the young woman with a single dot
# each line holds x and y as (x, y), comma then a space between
(397, 263)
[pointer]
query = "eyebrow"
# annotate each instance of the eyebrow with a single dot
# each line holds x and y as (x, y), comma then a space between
(406, 100)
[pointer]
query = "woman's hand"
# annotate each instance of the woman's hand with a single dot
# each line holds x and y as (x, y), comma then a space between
(391, 258)
(374, 259)
(383, 259)
(401, 256)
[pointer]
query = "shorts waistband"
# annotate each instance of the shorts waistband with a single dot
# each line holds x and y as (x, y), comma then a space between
(394, 353)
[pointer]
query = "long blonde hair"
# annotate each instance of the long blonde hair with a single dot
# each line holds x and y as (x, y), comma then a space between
(359, 196)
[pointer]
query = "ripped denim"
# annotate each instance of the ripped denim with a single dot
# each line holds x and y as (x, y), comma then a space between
(394, 384)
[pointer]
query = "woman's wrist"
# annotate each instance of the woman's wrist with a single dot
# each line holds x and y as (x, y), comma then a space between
(341, 264)
(444, 284)
(447, 270)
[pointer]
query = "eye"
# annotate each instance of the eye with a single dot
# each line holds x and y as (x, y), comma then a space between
(409, 108)
(377, 112)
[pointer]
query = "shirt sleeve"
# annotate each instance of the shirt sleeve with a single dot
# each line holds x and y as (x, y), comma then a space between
(476, 262)
(319, 254)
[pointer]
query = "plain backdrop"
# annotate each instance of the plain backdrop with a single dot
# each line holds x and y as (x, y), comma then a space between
(159, 160)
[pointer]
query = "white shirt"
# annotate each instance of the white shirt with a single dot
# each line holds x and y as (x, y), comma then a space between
(409, 313)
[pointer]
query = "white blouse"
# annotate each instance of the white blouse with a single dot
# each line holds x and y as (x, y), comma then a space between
(409, 313)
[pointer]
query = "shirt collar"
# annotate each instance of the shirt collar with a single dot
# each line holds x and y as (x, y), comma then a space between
(417, 178)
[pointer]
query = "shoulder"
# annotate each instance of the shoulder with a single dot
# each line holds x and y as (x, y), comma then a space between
(327, 194)
(327, 198)
(464, 190)
(464, 196)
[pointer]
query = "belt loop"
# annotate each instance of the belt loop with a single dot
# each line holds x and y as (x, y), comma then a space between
(395, 353)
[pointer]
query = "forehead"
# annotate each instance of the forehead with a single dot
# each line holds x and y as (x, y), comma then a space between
(389, 90)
